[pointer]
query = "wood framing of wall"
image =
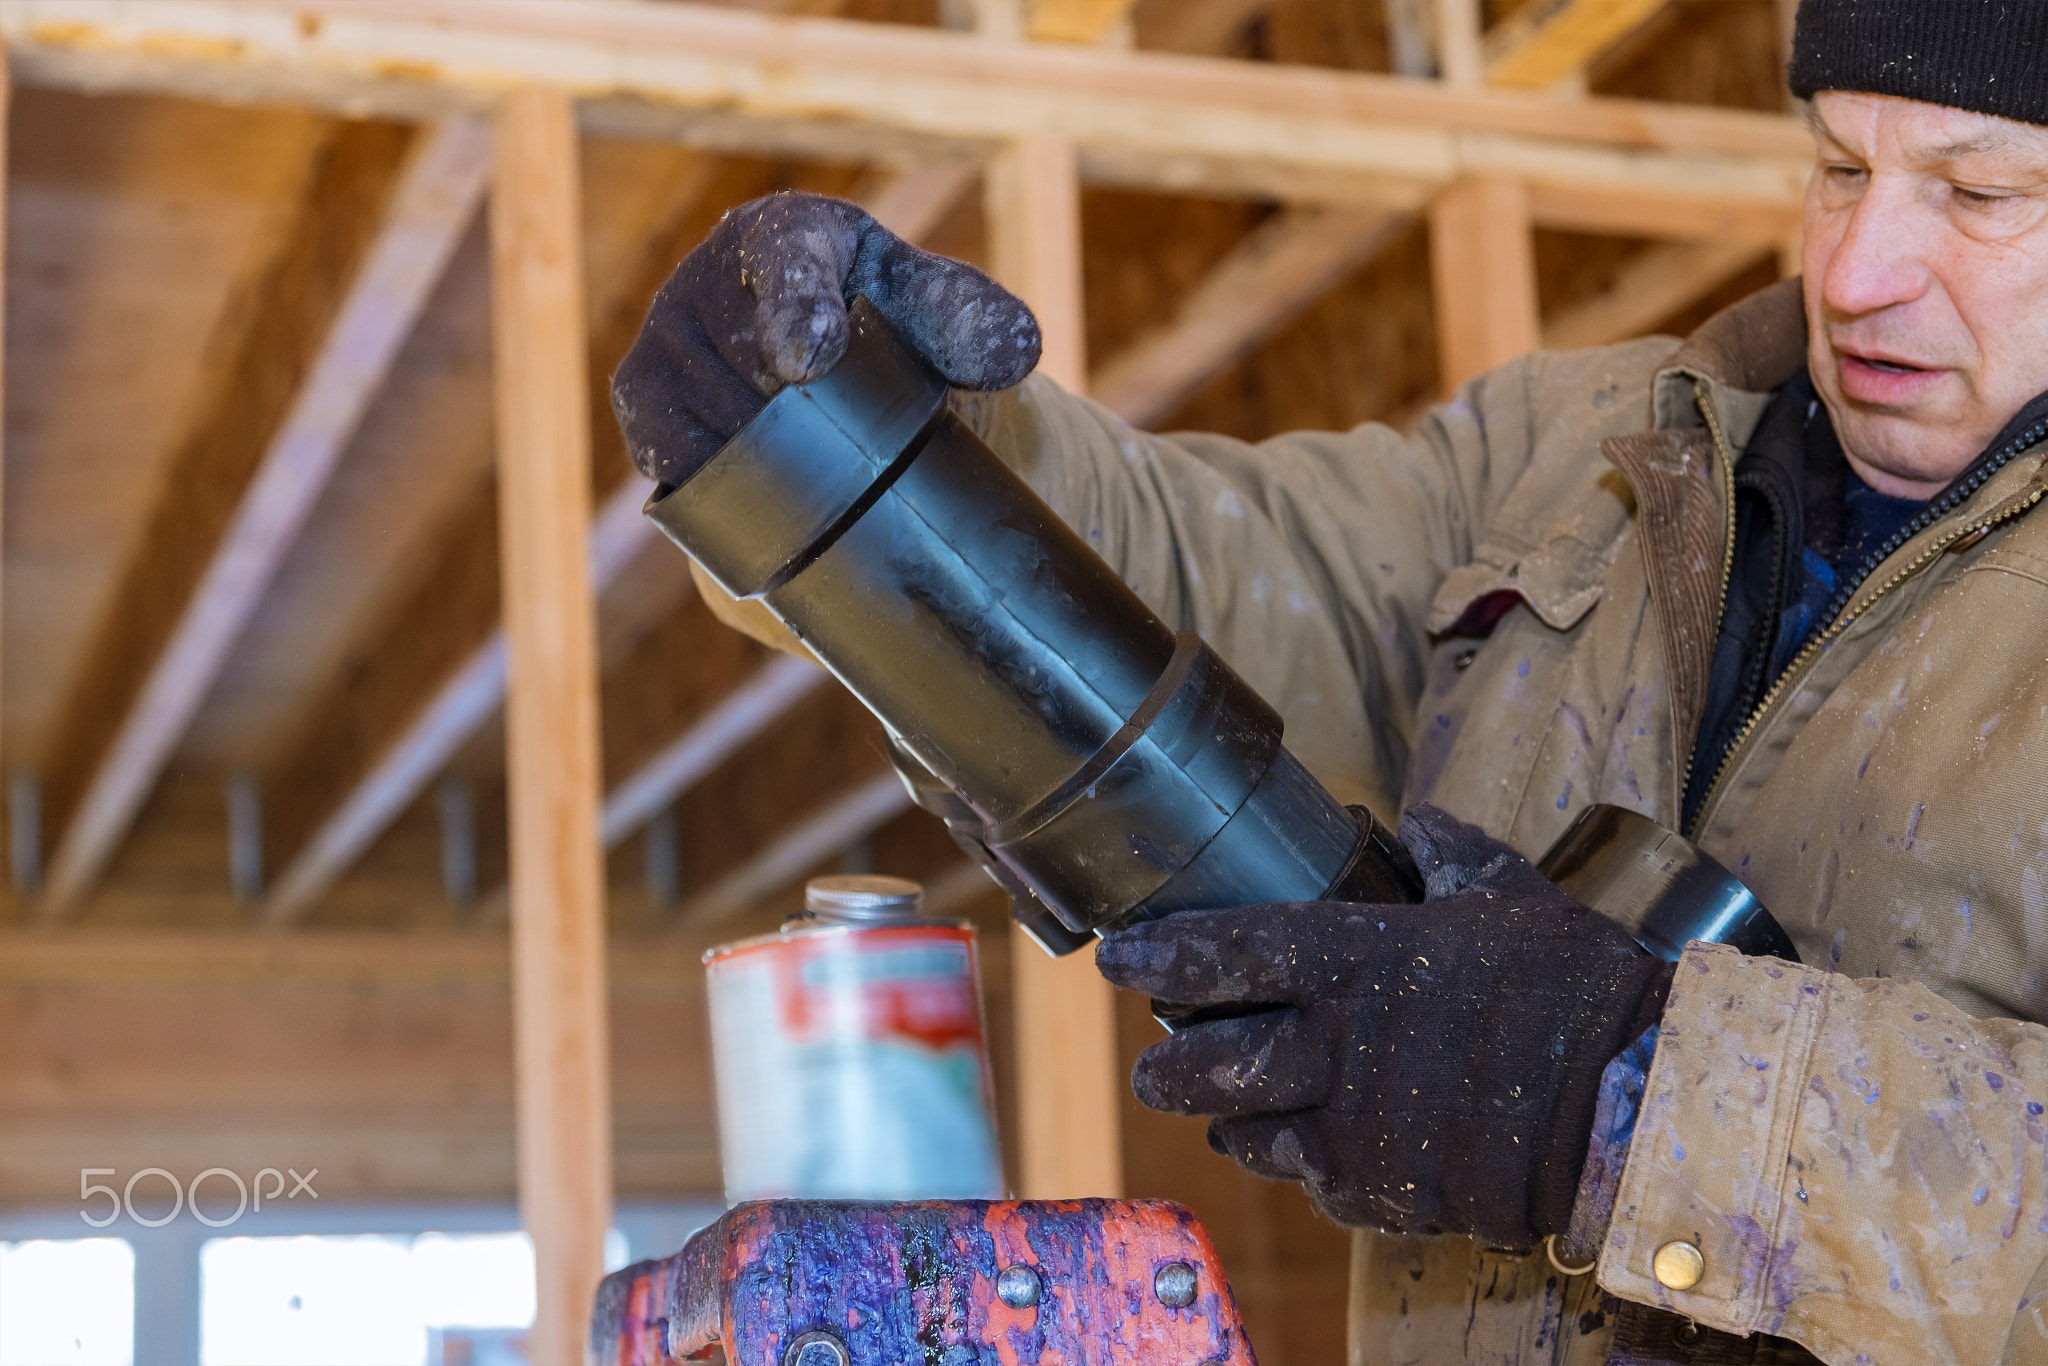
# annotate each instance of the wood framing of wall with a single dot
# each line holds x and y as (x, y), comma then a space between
(1329, 175)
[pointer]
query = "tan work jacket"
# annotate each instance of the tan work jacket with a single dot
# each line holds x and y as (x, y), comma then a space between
(1856, 1147)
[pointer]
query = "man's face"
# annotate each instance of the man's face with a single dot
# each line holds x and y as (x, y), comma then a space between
(1926, 263)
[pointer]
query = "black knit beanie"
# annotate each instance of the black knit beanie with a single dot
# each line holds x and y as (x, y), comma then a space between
(1981, 55)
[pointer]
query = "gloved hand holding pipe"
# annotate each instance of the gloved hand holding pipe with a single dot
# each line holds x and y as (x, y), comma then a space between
(1420, 1068)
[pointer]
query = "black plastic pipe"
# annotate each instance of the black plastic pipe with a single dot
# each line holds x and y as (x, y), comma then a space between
(1119, 771)
(1106, 769)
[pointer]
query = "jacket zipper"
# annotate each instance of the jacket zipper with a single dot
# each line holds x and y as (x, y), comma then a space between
(1841, 614)
(1726, 457)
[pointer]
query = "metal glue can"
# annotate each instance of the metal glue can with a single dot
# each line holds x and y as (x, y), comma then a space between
(849, 1053)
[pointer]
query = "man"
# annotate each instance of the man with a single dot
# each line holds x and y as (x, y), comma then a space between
(1782, 585)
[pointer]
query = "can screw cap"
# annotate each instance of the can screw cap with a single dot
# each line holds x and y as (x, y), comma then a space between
(855, 898)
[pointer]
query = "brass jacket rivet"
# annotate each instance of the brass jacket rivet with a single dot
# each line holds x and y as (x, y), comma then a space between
(1679, 1266)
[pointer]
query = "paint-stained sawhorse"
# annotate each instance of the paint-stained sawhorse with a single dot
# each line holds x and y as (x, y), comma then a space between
(951, 1283)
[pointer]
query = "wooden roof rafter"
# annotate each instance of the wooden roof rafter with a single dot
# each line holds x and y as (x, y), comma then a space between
(199, 576)
(835, 89)
(445, 675)
(1275, 274)
(1344, 146)
(1549, 41)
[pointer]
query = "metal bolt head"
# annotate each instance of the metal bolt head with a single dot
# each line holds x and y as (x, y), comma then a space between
(1679, 1266)
(1018, 1286)
(1175, 1285)
(816, 1349)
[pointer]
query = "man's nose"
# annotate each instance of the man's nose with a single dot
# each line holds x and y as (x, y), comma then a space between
(1880, 260)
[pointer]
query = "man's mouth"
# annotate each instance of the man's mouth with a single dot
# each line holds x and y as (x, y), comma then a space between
(1882, 379)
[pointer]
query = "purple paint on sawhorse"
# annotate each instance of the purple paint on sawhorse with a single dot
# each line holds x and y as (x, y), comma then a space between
(846, 1283)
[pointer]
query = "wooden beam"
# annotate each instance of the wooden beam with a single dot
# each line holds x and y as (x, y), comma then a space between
(1547, 41)
(308, 371)
(384, 1059)
(1650, 288)
(1624, 212)
(1277, 273)
(835, 89)
(1458, 55)
(541, 365)
(1076, 21)
(1069, 1140)
(1483, 268)
(809, 842)
(715, 737)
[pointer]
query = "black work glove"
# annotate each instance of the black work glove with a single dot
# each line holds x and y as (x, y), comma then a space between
(761, 303)
(1427, 1069)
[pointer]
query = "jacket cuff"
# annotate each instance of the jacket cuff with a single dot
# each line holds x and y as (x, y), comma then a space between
(1704, 1171)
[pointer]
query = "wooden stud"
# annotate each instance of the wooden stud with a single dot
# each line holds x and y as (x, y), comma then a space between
(1034, 228)
(1459, 61)
(1549, 41)
(339, 304)
(1067, 1074)
(1483, 266)
(1069, 1086)
(558, 970)
(1277, 273)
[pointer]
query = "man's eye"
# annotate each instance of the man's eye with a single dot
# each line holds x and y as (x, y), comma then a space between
(1979, 199)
